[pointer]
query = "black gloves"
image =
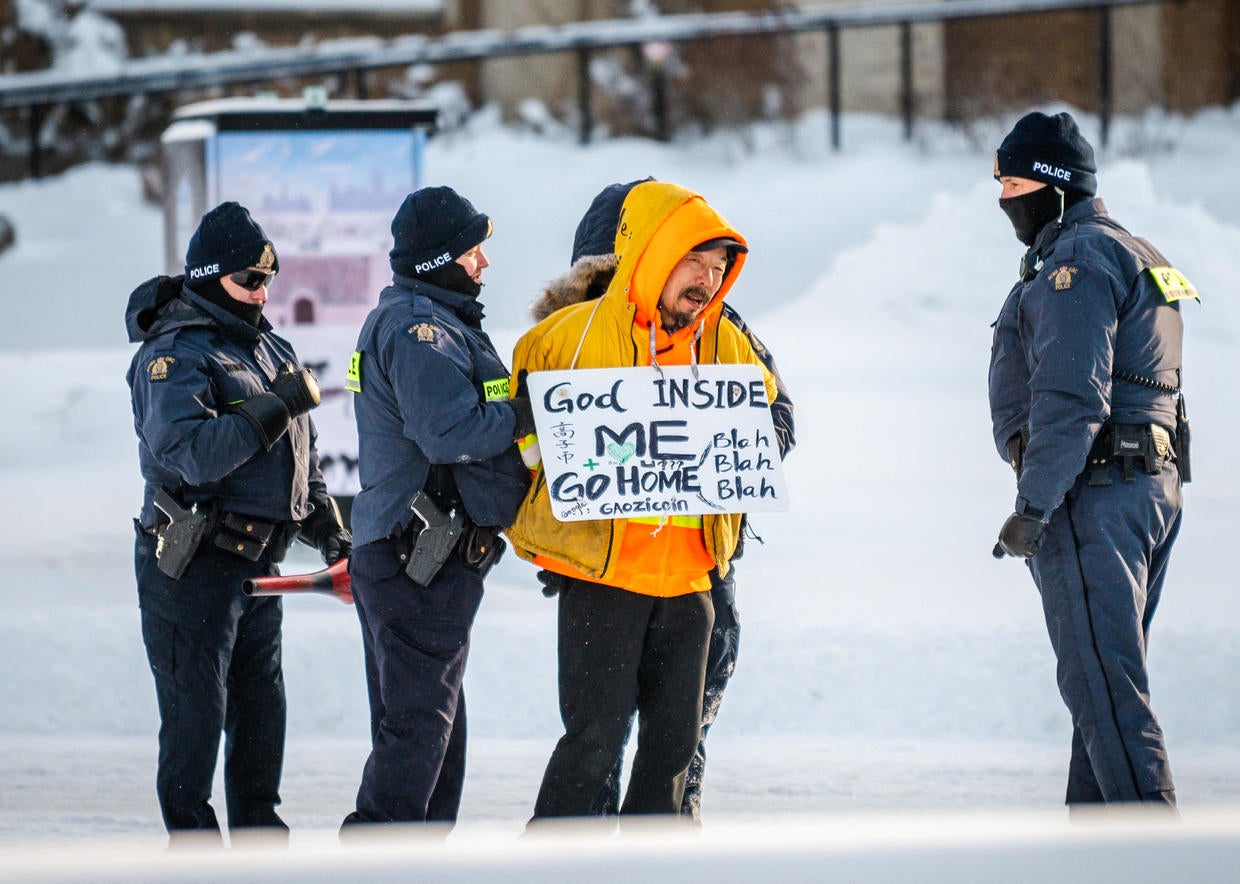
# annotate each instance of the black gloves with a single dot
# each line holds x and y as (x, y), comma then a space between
(297, 388)
(1019, 537)
(294, 391)
(324, 529)
(521, 406)
(551, 582)
(525, 417)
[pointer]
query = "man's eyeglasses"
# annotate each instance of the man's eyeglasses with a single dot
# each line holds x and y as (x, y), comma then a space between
(251, 280)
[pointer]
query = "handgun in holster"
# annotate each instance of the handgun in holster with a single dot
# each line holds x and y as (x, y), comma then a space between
(178, 540)
(435, 541)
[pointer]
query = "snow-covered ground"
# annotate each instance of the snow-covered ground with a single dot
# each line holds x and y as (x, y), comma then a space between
(889, 666)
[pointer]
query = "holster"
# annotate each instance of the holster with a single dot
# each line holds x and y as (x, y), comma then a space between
(177, 543)
(432, 542)
(1016, 450)
(178, 539)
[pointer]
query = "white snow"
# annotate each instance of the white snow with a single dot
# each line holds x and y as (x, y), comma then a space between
(894, 715)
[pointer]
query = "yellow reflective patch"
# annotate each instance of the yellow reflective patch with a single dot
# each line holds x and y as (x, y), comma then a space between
(1174, 285)
(678, 521)
(496, 389)
(353, 377)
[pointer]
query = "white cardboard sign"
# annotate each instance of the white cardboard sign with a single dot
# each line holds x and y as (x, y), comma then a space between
(634, 442)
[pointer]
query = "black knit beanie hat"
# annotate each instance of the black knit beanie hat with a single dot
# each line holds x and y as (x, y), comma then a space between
(1051, 150)
(434, 226)
(596, 231)
(227, 240)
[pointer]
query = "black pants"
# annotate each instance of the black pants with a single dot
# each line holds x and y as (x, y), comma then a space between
(725, 638)
(416, 643)
(621, 651)
(1101, 570)
(215, 656)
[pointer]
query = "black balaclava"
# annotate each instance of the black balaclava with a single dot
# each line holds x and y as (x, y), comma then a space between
(1032, 211)
(452, 277)
(1052, 150)
(213, 290)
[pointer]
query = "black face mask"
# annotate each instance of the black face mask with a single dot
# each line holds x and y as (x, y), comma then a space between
(1032, 211)
(452, 276)
(213, 291)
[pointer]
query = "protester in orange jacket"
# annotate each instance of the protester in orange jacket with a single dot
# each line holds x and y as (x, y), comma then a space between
(634, 603)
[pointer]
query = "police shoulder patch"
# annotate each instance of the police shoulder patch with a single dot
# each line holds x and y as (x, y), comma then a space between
(159, 368)
(425, 332)
(353, 376)
(1061, 277)
(1174, 285)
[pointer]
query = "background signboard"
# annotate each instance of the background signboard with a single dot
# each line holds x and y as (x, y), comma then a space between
(643, 442)
(324, 183)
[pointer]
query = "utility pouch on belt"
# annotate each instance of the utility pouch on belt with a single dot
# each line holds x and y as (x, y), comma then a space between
(481, 548)
(434, 541)
(1128, 445)
(243, 536)
(178, 540)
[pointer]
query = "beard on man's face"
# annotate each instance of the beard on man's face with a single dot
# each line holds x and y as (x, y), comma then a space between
(675, 319)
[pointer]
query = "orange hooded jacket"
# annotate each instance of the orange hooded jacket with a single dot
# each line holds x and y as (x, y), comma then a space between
(659, 224)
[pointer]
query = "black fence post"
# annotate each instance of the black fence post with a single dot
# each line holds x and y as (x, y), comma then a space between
(1105, 98)
(833, 82)
(584, 108)
(658, 102)
(36, 123)
(906, 78)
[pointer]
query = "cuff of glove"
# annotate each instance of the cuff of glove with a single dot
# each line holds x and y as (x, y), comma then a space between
(268, 414)
(524, 412)
(1025, 508)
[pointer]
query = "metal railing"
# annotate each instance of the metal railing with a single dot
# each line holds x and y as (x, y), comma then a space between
(39, 90)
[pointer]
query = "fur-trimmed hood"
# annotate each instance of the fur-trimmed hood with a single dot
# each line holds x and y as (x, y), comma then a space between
(586, 280)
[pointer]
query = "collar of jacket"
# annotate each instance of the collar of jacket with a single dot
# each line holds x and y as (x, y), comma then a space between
(467, 307)
(1089, 208)
(587, 279)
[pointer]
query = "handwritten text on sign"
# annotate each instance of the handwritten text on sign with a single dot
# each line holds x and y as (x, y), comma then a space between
(631, 442)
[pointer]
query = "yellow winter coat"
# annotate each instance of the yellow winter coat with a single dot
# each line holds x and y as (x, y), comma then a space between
(659, 224)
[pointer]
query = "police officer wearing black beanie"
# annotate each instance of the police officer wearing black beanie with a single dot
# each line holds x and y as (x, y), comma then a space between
(440, 475)
(1086, 406)
(227, 453)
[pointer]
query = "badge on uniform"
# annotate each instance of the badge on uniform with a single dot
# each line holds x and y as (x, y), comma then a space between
(1061, 277)
(424, 332)
(267, 259)
(159, 368)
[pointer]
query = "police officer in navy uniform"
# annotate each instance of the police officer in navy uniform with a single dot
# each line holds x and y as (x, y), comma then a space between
(435, 425)
(227, 452)
(1085, 380)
